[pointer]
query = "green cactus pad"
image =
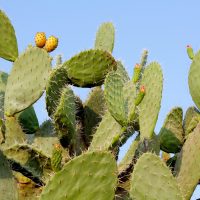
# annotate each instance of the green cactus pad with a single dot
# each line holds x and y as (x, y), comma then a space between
(149, 108)
(188, 164)
(152, 179)
(8, 186)
(114, 96)
(65, 117)
(107, 134)
(8, 41)
(171, 134)
(27, 80)
(105, 37)
(3, 82)
(192, 116)
(94, 109)
(57, 80)
(129, 156)
(193, 79)
(28, 120)
(89, 176)
(89, 68)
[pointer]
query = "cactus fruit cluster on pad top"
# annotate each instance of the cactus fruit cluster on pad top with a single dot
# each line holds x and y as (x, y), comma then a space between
(73, 155)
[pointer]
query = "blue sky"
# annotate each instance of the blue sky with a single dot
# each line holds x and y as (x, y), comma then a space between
(162, 27)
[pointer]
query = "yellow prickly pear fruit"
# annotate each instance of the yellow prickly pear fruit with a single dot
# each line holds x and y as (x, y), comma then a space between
(40, 39)
(51, 44)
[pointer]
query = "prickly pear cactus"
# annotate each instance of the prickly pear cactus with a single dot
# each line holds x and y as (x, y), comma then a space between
(74, 154)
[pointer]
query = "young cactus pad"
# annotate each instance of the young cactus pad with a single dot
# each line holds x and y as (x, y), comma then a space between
(105, 37)
(89, 68)
(92, 175)
(27, 80)
(152, 179)
(8, 41)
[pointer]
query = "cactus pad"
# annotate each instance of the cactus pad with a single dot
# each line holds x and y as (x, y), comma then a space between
(188, 164)
(94, 109)
(27, 80)
(8, 41)
(57, 80)
(105, 37)
(89, 68)
(171, 134)
(149, 108)
(64, 117)
(107, 134)
(114, 96)
(193, 79)
(152, 179)
(28, 120)
(96, 170)
(192, 116)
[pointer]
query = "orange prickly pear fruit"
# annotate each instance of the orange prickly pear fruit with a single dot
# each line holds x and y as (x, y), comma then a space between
(40, 39)
(51, 44)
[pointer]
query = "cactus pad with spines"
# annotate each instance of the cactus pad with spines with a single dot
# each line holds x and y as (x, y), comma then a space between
(74, 181)
(171, 134)
(8, 41)
(193, 79)
(149, 108)
(188, 164)
(105, 37)
(28, 120)
(189, 124)
(57, 81)
(64, 117)
(107, 133)
(152, 179)
(33, 66)
(114, 96)
(89, 68)
(94, 109)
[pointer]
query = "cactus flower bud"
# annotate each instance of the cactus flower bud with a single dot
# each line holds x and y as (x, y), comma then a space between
(190, 52)
(140, 96)
(137, 71)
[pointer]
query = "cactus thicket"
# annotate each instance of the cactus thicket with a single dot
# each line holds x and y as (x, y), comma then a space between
(73, 155)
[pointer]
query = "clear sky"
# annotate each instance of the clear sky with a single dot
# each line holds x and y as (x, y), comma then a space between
(162, 27)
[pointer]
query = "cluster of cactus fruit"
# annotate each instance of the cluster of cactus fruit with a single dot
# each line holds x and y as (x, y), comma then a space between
(74, 154)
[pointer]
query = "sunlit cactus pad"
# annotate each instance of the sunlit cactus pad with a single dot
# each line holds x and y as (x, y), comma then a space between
(74, 181)
(27, 80)
(89, 68)
(8, 41)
